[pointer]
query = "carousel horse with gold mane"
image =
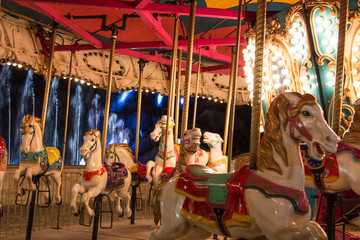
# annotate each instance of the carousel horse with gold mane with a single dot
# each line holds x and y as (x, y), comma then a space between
(36, 159)
(100, 178)
(3, 165)
(155, 169)
(339, 171)
(269, 202)
(217, 161)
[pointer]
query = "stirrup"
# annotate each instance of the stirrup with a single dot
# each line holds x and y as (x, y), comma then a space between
(139, 204)
(46, 191)
(150, 202)
(82, 218)
(25, 191)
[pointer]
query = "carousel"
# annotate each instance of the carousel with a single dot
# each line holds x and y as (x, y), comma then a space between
(180, 119)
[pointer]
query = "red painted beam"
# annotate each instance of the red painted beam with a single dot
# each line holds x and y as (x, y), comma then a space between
(156, 27)
(155, 44)
(150, 7)
(68, 24)
(142, 3)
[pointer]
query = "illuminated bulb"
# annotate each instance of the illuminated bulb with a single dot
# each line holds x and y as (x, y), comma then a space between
(277, 85)
(266, 69)
(321, 29)
(319, 19)
(355, 59)
(94, 86)
(299, 56)
(8, 63)
(14, 64)
(248, 63)
(76, 79)
(294, 41)
(215, 100)
(267, 87)
(209, 98)
(274, 67)
(287, 81)
(331, 83)
(147, 90)
(306, 87)
(251, 48)
(355, 48)
(328, 22)
(245, 51)
(153, 92)
(357, 38)
(273, 58)
(295, 25)
(221, 101)
(64, 77)
(329, 33)
(19, 66)
(292, 50)
(292, 31)
(247, 58)
(88, 84)
(203, 97)
(81, 81)
(356, 84)
(355, 71)
(330, 74)
(329, 50)
(299, 34)
(250, 87)
(251, 95)
(266, 78)
(325, 42)
(249, 79)
(280, 62)
(284, 71)
(358, 95)
(287, 90)
(304, 78)
(276, 76)
(334, 40)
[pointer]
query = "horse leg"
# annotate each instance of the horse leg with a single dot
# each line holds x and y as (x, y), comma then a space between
(125, 195)
(93, 192)
(76, 189)
(156, 174)
(56, 177)
(30, 172)
(149, 166)
(19, 172)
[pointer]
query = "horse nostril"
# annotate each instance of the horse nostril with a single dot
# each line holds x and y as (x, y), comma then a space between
(330, 139)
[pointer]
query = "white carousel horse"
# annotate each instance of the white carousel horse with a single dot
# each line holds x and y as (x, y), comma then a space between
(217, 161)
(154, 169)
(268, 202)
(36, 159)
(341, 170)
(3, 165)
(98, 178)
(190, 151)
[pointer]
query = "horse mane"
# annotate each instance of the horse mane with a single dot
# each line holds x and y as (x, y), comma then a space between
(121, 145)
(272, 139)
(352, 134)
(92, 132)
(26, 121)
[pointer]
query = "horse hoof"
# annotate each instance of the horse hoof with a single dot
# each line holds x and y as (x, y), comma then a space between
(1, 212)
(22, 192)
(122, 214)
(132, 221)
(76, 214)
(59, 203)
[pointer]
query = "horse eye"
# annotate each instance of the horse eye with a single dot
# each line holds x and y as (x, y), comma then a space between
(306, 113)
(92, 140)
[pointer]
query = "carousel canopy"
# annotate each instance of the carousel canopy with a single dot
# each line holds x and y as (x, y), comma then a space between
(146, 32)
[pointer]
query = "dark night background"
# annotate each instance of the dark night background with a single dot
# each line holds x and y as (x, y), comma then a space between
(22, 93)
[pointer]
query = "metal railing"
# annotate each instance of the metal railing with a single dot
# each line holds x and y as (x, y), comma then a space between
(14, 219)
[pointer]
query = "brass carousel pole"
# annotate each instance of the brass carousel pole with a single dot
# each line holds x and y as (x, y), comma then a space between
(234, 88)
(48, 76)
(332, 198)
(177, 106)
(172, 84)
(189, 58)
(344, 4)
(137, 137)
(228, 106)
(256, 108)
(108, 92)
(67, 105)
(197, 89)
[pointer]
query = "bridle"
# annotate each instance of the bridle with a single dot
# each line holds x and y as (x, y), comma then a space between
(94, 146)
(296, 123)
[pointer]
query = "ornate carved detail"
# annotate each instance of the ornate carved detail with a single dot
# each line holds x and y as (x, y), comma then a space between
(273, 27)
(250, 33)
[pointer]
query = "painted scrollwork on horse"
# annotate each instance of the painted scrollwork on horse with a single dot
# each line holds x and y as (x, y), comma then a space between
(155, 169)
(269, 202)
(99, 178)
(36, 159)
(3, 166)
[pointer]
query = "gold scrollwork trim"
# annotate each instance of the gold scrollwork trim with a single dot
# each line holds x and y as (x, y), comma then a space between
(331, 63)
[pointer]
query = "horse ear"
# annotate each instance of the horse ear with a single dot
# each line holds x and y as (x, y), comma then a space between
(292, 97)
(357, 102)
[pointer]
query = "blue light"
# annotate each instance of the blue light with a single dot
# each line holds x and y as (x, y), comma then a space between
(181, 100)
(123, 96)
(159, 99)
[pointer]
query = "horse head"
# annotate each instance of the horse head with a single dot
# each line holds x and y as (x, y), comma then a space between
(31, 132)
(164, 122)
(212, 139)
(120, 153)
(156, 133)
(190, 141)
(91, 143)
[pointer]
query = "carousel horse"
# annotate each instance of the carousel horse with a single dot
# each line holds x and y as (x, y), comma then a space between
(3, 165)
(154, 169)
(217, 161)
(340, 170)
(190, 151)
(99, 178)
(269, 202)
(36, 159)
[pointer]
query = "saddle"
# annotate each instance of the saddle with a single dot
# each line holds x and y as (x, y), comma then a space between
(116, 174)
(223, 195)
(167, 173)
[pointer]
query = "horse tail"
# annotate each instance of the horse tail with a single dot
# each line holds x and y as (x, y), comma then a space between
(149, 166)
(241, 161)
